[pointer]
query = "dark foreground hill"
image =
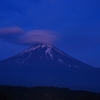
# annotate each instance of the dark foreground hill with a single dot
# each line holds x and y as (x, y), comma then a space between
(45, 93)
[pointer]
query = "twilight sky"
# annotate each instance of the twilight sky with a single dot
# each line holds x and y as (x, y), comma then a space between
(71, 25)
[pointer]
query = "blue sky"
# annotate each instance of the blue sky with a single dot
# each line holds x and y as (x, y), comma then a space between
(77, 23)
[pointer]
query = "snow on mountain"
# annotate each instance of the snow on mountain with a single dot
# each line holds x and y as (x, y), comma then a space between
(48, 49)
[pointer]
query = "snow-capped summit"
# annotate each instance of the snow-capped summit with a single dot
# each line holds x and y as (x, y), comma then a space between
(46, 50)
(45, 47)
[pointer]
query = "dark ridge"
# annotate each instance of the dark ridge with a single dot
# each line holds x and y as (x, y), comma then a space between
(45, 93)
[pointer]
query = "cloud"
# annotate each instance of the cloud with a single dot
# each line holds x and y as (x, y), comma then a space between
(10, 30)
(11, 34)
(19, 36)
(39, 36)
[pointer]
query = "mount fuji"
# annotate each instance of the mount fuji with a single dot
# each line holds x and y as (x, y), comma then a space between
(46, 65)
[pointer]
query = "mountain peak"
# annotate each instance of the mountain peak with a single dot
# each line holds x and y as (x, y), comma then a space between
(46, 54)
(39, 46)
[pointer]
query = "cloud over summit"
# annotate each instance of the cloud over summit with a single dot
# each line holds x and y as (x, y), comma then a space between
(39, 36)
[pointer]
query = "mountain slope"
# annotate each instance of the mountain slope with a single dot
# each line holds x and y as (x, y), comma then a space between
(41, 53)
(45, 65)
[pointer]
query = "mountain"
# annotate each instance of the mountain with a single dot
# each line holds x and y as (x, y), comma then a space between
(46, 65)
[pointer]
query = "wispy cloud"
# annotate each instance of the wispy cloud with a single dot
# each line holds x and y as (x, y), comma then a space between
(10, 30)
(11, 34)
